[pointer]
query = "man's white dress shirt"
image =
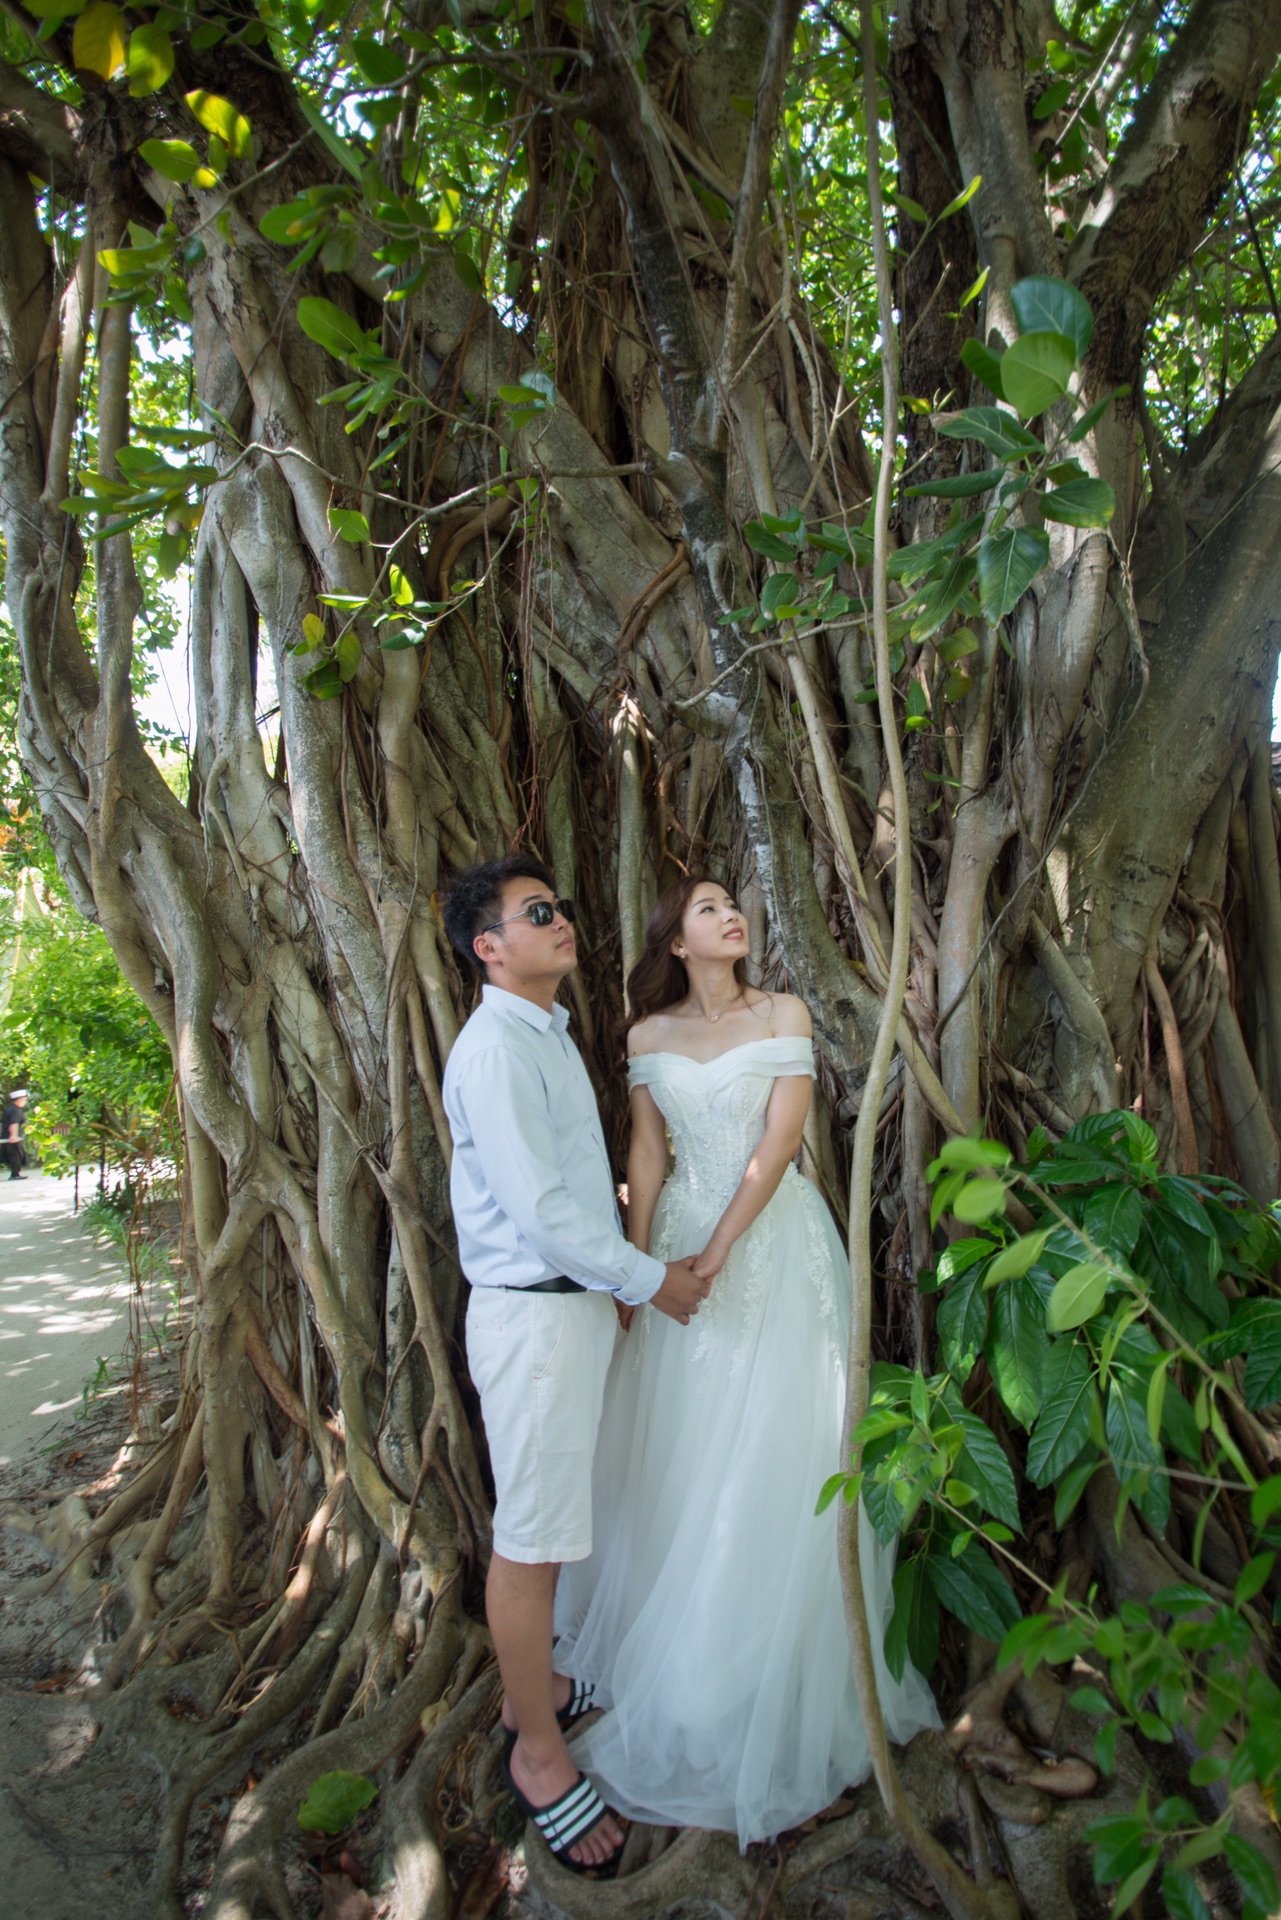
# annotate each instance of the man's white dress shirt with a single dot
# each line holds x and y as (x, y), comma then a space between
(531, 1187)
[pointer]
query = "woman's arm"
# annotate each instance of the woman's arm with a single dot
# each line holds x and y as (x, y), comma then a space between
(780, 1142)
(646, 1166)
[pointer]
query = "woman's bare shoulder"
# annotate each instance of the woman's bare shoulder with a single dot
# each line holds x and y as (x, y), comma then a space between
(790, 1018)
(647, 1035)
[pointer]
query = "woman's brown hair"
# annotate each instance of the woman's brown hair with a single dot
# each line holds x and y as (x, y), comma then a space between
(659, 979)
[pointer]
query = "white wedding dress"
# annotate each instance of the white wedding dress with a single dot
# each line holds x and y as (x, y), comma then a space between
(709, 1615)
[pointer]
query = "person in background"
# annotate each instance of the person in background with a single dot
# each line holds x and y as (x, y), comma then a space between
(13, 1149)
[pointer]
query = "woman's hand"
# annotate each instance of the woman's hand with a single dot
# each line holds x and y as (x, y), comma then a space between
(625, 1314)
(712, 1258)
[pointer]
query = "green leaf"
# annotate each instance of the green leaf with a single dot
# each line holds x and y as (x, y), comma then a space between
(218, 117)
(962, 199)
(831, 1486)
(762, 541)
(957, 486)
(1182, 1895)
(381, 65)
(966, 1152)
(974, 1591)
(1077, 1297)
(913, 1632)
(98, 41)
(957, 646)
(1063, 1426)
(962, 1324)
(1075, 1481)
(349, 525)
(986, 365)
(347, 654)
(1258, 1882)
(1016, 1346)
(1113, 1218)
(149, 61)
(1042, 303)
(1118, 1841)
(174, 159)
(1133, 1884)
(979, 1200)
(330, 327)
(334, 1800)
(1036, 370)
(1265, 1500)
(1134, 1454)
(993, 428)
(345, 155)
(1009, 561)
(983, 1465)
(324, 681)
(1262, 1382)
(780, 590)
(1016, 1258)
(1080, 503)
(1252, 1578)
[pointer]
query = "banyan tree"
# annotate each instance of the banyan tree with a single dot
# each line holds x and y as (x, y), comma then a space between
(834, 447)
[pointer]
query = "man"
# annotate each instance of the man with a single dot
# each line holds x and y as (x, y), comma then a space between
(12, 1148)
(540, 1242)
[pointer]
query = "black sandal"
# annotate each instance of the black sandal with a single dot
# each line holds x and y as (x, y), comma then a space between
(564, 1823)
(581, 1702)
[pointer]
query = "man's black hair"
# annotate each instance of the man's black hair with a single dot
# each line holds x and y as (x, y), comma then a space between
(475, 899)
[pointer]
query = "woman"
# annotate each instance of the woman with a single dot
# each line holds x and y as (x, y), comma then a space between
(709, 1616)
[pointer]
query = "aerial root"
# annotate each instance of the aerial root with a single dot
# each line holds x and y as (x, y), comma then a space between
(362, 1746)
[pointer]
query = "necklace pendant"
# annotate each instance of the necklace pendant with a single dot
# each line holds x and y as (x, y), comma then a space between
(713, 1017)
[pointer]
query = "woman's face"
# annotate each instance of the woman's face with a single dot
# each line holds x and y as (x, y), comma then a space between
(712, 927)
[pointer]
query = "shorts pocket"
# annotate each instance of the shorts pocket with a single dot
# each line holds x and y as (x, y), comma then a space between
(548, 1311)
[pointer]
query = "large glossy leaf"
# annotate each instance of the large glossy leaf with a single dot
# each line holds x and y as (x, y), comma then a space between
(962, 1323)
(974, 1591)
(1134, 1455)
(982, 1465)
(1009, 561)
(149, 61)
(330, 327)
(1113, 1218)
(957, 486)
(993, 428)
(1063, 1426)
(913, 1632)
(174, 159)
(219, 117)
(98, 42)
(1015, 1347)
(908, 563)
(1042, 303)
(987, 365)
(1080, 503)
(1036, 370)
(1263, 1354)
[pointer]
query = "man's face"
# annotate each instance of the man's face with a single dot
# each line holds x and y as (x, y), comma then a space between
(517, 951)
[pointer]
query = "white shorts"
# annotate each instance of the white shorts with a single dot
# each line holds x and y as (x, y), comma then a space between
(539, 1361)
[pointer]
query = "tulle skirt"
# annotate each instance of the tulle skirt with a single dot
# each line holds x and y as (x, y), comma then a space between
(709, 1615)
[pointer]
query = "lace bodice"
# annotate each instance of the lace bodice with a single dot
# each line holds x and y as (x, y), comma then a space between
(715, 1109)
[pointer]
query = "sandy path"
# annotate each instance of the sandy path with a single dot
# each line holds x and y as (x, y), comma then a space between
(63, 1306)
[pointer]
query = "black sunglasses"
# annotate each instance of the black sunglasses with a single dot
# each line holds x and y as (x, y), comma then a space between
(539, 913)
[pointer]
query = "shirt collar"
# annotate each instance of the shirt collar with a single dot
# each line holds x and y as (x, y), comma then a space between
(515, 1006)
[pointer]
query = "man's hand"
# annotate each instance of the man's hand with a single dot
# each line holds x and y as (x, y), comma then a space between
(680, 1293)
(710, 1261)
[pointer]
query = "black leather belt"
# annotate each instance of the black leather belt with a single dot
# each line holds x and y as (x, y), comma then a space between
(559, 1283)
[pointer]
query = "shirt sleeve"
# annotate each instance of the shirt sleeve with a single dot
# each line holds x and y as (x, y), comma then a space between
(513, 1136)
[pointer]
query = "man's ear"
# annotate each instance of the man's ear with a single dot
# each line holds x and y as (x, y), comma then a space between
(486, 949)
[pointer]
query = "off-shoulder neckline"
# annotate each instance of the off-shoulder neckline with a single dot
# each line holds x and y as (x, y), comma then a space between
(765, 1040)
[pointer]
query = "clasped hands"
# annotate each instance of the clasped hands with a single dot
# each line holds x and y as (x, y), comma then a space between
(686, 1286)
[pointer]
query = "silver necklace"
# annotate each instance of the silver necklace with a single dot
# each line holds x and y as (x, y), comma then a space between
(714, 1017)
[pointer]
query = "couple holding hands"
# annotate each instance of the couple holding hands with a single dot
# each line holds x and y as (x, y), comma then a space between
(661, 1409)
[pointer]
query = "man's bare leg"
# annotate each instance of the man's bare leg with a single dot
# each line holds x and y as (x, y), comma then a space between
(518, 1603)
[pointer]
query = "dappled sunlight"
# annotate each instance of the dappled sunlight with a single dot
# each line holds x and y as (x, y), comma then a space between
(63, 1308)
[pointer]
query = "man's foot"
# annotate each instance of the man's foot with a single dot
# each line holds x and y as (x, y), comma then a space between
(542, 1782)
